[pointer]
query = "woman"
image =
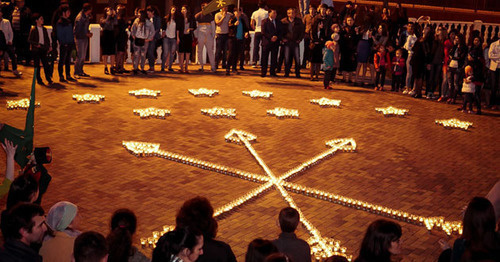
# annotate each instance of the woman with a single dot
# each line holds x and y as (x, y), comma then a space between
(142, 33)
(40, 46)
(121, 39)
(187, 27)
(364, 49)
(108, 40)
(318, 36)
(448, 45)
(458, 54)
(348, 44)
(170, 39)
(123, 225)
(475, 59)
(63, 220)
(381, 241)
(180, 245)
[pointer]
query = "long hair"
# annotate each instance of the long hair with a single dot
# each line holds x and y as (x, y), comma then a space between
(377, 241)
(22, 189)
(173, 242)
(198, 213)
(123, 225)
(259, 249)
(479, 226)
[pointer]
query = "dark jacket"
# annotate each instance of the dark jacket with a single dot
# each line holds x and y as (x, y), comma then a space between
(296, 34)
(269, 30)
(17, 251)
(33, 39)
(64, 31)
(233, 28)
(460, 56)
(81, 26)
(297, 249)
(216, 251)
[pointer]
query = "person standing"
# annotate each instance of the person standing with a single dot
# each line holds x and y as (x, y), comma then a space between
(108, 40)
(9, 38)
(40, 45)
(206, 30)
(154, 17)
(171, 39)
(494, 71)
(121, 39)
(308, 21)
(256, 24)
(187, 27)
(66, 43)
(82, 36)
(304, 8)
(293, 33)
(271, 37)
(142, 33)
(238, 31)
(221, 30)
(21, 24)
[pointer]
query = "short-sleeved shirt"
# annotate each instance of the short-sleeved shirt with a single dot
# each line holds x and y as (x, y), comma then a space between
(258, 16)
(223, 28)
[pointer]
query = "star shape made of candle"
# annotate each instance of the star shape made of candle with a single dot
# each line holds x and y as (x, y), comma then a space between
(152, 112)
(88, 98)
(326, 102)
(218, 112)
(392, 111)
(203, 92)
(20, 104)
(454, 123)
(144, 93)
(281, 112)
(258, 94)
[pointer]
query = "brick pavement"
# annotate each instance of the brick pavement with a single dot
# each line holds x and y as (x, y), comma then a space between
(405, 163)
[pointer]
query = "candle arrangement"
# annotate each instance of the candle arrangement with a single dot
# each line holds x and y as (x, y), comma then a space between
(203, 92)
(88, 98)
(218, 112)
(152, 112)
(454, 123)
(20, 104)
(258, 94)
(392, 111)
(325, 102)
(145, 93)
(280, 113)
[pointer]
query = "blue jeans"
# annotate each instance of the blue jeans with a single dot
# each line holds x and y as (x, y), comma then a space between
(221, 49)
(168, 54)
(256, 46)
(81, 52)
(151, 54)
(292, 51)
(140, 55)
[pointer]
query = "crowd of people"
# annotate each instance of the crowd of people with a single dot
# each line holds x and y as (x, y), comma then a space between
(345, 45)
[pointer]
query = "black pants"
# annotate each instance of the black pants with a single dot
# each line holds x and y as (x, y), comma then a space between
(494, 83)
(468, 99)
(292, 53)
(235, 48)
(281, 57)
(380, 76)
(40, 54)
(329, 76)
(272, 49)
(220, 49)
(22, 46)
(477, 98)
(256, 47)
(307, 52)
(64, 60)
(397, 82)
(10, 50)
(434, 78)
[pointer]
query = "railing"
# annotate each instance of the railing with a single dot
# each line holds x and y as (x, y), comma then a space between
(488, 30)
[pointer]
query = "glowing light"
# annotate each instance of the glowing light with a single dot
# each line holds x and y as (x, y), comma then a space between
(280, 113)
(325, 102)
(152, 112)
(392, 111)
(258, 94)
(143, 93)
(89, 98)
(218, 112)
(20, 104)
(204, 92)
(454, 123)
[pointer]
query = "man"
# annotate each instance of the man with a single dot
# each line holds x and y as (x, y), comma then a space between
(9, 38)
(271, 37)
(64, 35)
(82, 36)
(293, 33)
(153, 45)
(90, 247)
(21, 24)
(206, 30)
(288, 243)
(256, 24)
(494, 71)
(23, 226)
(221, 30)
(308, 23)
(238, 32)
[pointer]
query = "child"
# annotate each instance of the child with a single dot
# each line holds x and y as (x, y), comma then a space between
(381, 61)
(397, 71)
(468, 89)
(331, 60)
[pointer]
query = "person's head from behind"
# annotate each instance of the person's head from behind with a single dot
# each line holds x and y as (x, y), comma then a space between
(123, 226)
(336, 259)
(63, 216)
(479, 224)
(278, 257)
(382, 239)
(288, 219)
(259, 249)
(87, 9)
(197, 213)
(183, 242)
(24, 222)
(90, 247)
(262, 4)
(23, 189)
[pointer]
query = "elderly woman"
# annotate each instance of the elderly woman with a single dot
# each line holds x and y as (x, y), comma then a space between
(63, 220)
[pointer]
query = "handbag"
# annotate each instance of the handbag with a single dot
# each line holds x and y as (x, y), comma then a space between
(468, 87)
(139, 41)
(454, 63)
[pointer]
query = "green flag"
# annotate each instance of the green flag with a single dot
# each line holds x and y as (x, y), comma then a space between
(216, 5)
(22, 138)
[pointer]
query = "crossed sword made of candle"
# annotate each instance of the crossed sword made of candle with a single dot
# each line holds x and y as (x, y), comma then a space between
(327, 246)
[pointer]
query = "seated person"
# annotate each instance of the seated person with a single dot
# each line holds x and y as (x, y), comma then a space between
(288, 243)
(90, 247)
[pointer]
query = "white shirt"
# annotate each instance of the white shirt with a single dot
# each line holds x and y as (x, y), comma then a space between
(410, 41)
(41, 39)
(494, 52)
(258, 16)
(171, 29)
(7, 30)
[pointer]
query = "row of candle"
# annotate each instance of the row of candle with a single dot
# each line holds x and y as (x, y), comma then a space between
(217, 112)
(281, 112)
(152, 112)
(325, 102)
(392, 111)
(20, 104)
(454, 123)
(88, 98)
(141, 93)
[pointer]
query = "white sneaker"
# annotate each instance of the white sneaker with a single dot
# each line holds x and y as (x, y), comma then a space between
(411, 93)
(17, 73)
(405, 91)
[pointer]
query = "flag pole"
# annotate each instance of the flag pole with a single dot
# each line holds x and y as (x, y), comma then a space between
(238, 5)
